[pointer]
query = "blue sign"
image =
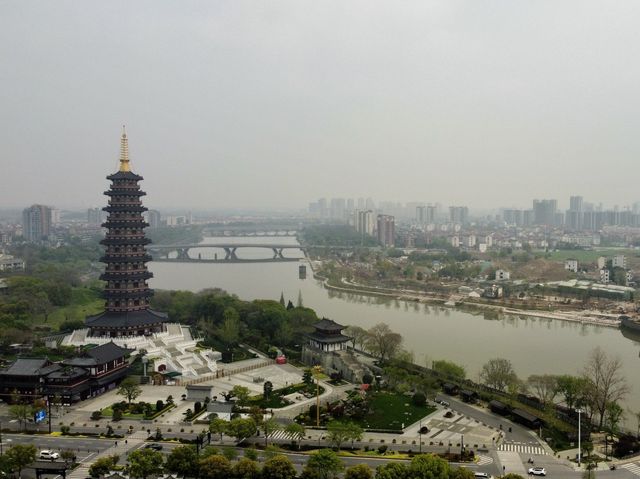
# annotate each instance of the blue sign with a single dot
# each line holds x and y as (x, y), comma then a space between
(40, 415)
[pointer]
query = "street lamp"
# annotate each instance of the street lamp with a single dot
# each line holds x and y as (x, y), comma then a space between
(579, 438)
(317, 370)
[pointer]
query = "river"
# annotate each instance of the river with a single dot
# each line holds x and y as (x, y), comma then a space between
(533, 345)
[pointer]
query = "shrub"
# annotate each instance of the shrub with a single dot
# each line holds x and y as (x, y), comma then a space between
(65, 430)
(197, 407)
(159, 405)
(95, 415)
(117, 415)
(382, 449)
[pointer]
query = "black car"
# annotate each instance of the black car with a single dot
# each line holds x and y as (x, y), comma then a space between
(155, 447)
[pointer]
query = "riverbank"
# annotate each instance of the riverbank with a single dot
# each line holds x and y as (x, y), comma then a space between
(456, 301)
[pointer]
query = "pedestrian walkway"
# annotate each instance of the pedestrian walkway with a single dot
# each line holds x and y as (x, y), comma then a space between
(632, 467)
(281, 435)
(523, 448)
(484, 460)
(120, 448)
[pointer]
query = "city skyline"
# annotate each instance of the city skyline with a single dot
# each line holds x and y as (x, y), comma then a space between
(237, 104)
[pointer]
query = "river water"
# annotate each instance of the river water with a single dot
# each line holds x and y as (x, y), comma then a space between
(533, 345)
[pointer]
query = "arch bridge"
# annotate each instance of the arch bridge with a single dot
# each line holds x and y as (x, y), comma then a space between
(162, 252)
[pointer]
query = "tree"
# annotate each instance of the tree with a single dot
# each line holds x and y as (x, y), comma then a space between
(229, 332)
(282, 298)
(615, 413)
(572, 389)
(6, 466)
(267, 389)
(383, 342)
(307, 377)
(129, 389)
(324, 464)
(498, 374)
(241, 393)
(358, 336)
(392, 470)
(450, 369)
(144, 463)
(215, 467)
(21, 455)
(607, 384)
(462, 473)
(269, 426)
(428, 466)
(359, 471)
(544, 386)
(241, 428)
(299, 304)
(278, 467)
(419, 399)
(337, 433)
(218, 426)
(21, 413)
(296, 432)
(245, 469)
(103, 465)
(183, 460)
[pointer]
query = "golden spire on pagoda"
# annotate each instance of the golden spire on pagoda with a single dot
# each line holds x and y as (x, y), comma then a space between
(124, 152)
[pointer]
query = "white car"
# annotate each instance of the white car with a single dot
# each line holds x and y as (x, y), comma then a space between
(47, 454)
(537, 471)
(482, 475)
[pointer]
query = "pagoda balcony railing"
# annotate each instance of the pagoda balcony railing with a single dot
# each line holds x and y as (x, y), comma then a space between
(124, 193)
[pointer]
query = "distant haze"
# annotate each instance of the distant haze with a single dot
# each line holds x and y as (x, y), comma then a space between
(272, 104)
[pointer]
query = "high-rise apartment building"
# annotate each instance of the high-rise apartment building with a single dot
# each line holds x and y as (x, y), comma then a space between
(36, 223)
(365, 223)
(421, 215)
(386, 230)
(459, 214)
(153, 218)
(544, 212)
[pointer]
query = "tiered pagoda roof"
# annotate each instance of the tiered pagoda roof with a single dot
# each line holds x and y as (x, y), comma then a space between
(127, 294)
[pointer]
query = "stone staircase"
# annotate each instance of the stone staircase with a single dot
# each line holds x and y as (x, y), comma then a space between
(122, 449)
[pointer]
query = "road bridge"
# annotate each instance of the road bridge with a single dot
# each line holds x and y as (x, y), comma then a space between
(162, 252)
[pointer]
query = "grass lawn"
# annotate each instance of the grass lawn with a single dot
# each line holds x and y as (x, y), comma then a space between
(587, 256)
(391, 410)
(276, 400)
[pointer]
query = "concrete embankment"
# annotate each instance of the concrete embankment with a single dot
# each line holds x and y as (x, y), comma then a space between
(415, 296)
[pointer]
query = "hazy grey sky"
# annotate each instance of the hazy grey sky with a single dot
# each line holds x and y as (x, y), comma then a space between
(275, 103)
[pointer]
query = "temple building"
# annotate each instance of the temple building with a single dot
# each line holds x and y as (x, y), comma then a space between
(126, 293)
(328, 336)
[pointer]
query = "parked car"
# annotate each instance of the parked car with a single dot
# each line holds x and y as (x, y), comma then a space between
(47, 454)
(537, 471)
(443, 402)
(154, 446)
(482, 475)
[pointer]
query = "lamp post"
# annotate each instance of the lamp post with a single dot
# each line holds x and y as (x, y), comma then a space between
(420, 433)
(317, 370)
(579, 438)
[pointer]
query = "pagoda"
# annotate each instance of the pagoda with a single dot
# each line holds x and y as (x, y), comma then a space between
(126, 293)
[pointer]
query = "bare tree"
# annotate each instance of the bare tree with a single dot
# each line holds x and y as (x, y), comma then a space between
(544, 386)
(358, 336)
(383, 342)
(606, 381)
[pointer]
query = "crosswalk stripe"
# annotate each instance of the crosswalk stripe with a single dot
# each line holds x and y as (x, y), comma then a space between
(632, 468)
(484, 460)
(523, 448)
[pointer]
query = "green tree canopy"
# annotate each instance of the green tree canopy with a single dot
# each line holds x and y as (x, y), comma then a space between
(129, 389)
(324, 464)
(183, 461)
(278, 467)
(215, 467)
(21, 455)
(144, 463)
